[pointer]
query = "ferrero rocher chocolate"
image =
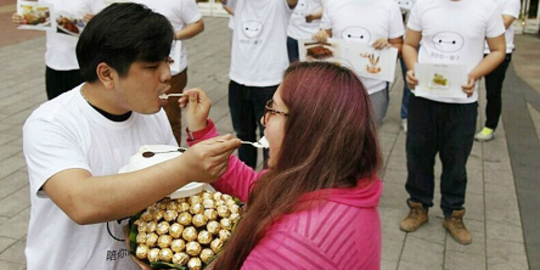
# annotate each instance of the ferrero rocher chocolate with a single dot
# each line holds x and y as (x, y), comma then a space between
(224, 235)
(213, 227)
(196, 209)
(175, 230)
(230, 203)
(208, 203)
(194, 200)
(146, 216)
(163, 228)
(184, 219)
(178, 245)
(217, 196)
(211, 214)
(235, 217)
(166, 255)
(193, 248)
(206, 255)
(194, 264)
(206, 195)
(158, 215)
(226, 224)
(183, 207)
(205, 237)
(223, 211)
(172, 206)
(170, 215)
(141, 227)
(141, 238)
(151, 226)
(216, 245)
(181, 200)
(199, 220)
(153, 255)
(142, 252)
(235, 209)
(226, 197)
(151, 239)
(189, 234)
(164, 241)
(180, 258)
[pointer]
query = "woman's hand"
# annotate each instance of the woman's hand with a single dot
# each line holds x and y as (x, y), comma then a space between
(198, 108)
(381, 43)
(16, 19)
(321, 36)
(469, 88)
(412, 81)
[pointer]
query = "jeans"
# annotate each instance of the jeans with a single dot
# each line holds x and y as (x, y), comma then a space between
(292, 50)
(494, 84)
(406, 91)
(247, 108)
(379, 103)
(59, 81)
(447, 129)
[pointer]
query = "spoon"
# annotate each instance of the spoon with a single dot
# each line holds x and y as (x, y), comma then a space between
(149, 154)
(166, 96)
(262, 143)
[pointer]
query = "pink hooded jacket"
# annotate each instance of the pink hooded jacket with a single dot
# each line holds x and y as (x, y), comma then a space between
(343, 231)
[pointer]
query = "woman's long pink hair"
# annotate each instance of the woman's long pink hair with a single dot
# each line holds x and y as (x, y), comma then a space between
(330, 141)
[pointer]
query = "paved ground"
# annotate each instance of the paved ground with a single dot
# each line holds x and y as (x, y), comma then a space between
(505, 231)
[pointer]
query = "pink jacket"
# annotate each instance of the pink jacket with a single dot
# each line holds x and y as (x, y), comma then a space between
(342, 232)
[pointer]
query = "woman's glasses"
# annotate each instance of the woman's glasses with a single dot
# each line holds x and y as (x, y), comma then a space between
(269, 111)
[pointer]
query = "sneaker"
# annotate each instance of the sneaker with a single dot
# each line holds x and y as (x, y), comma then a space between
(417, 217)
(487, 134)
(455, 226)
(404, 125)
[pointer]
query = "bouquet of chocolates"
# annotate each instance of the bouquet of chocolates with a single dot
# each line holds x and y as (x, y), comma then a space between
(184, 233)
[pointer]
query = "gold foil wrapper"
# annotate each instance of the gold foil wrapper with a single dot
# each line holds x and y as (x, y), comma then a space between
(173, 205)
(204, 237)
(184, 219)
(151, 239)
(216, 245)
(141, 238)
(230, 203)
(234, 217)
(164, 241)
(158, 215)
(208, 203)
(180, 258)
(180, 200)
(226, 197)
(226, 224)
(223, 211)
(163, 228)
(153, 255)
(175, 230)
(142, 252)
(147, 216)
(194, 200)
(199, 220)
(224, 235)
(138, 222)
(166, 255)
(235, 209)
(217, 196)
(197, 208)
(189, 234)
(206, 195)
(151, 226)
(211, 214)
(184, 207)
(141, 227)
(194, 264)
(193, 248)
(162, 205)
(170, 215)
(213, 227)
(178, 245)
(207, 255)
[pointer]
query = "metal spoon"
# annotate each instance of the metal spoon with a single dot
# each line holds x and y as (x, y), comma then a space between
(166, 96)
(149, 154)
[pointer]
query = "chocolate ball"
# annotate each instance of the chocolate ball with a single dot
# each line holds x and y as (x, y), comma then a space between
(151, 226)
(164, 241)
(178, 245)
(196, 209)
(224, 235)
(180, 258)
(141, 238)
(175, 230)
(195, 264)
(226, 224)
(142, 252)
(199, 220)
(216, 245)
(211, 214)
(153, 255)
(207, 255)
(166, 255)
(183, 207)
(151, 239)
(184, 219)
(213, 227)
(208, 203)
(193, 248)
(194, 200)
(204, 237)
(170, 215)
(189, 234)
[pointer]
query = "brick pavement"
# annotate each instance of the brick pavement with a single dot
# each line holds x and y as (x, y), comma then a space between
(492, 207)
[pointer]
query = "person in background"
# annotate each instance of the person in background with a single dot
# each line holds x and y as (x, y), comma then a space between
(75, 145)
(305, 22)
(258, 59)
(187, 23)
(229, 6)
(406, 90)
(61, 67)
(451, 32)
(316, 207)
(494, 81)
(375, 23)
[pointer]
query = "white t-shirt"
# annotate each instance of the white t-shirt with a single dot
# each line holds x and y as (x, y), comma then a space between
(259, 45)
(67, 133)
(298, 27)
(508, 8)
(60, 48)
(364, 21)
(180, 13)
(453, 32)
(232, 5)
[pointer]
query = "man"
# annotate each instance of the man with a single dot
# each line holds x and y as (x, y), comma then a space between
(75, 145)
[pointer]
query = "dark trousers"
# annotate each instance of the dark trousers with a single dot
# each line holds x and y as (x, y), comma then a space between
(447, 129)
(406, 90)
(292, 50)
(58, 82)
(494, 84)
(247, 108)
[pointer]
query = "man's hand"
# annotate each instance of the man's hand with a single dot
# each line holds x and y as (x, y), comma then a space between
(209, 159)
(16, 19)
(321, 36)
(198, 108)
(381, 43)
(309, 18)
(469, 88)
(412, 81)
(87, 17)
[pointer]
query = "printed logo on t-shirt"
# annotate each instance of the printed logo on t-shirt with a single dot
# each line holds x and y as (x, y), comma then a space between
(357, 33)
(448, 42)
(252, 29)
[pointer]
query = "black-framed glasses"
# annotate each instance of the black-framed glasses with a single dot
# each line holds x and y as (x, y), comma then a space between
(269, 111)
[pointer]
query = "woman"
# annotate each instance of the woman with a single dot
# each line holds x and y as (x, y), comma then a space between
(316, 205)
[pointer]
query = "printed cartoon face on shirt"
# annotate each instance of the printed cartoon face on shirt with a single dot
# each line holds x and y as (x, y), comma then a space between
(448, 42)
(302, 7)
(405, 4)
(357, 34)
(252, 29)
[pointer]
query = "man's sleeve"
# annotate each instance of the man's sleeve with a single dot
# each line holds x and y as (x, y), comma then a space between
(190, 12)
(326, 23)
(511, 8)
(396, 22)
(414, 22)
(495, 26)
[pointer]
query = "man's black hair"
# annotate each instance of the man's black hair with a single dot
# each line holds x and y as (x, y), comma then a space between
(121, 34)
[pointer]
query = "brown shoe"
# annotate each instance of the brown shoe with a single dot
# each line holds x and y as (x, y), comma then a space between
(416, 217)
(454, 225)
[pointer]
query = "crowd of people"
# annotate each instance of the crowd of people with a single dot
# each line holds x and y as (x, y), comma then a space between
(315, 203)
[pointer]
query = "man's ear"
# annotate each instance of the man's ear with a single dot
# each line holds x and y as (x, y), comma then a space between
(106, 75)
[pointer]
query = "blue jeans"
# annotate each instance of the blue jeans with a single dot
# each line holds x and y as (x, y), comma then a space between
(292, 50)
(247, 107)
(406, 91)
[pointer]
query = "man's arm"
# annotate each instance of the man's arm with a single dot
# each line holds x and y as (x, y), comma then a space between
(87, 199)
(190, 30)
(409, 52)
(292, 3)
(508, 20)
(315, 15)
(497, 47)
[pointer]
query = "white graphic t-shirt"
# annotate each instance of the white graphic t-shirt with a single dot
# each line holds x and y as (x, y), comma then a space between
(364, 21)
(508, 8)
(259, 46)
(298, 27)
(453, 32)
(67, 133)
